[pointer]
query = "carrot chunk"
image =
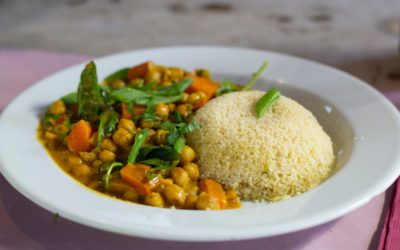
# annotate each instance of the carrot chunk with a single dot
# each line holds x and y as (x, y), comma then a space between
(78, 139)
(135, 175)
(141, 70)
(202, 84)
(215, 190)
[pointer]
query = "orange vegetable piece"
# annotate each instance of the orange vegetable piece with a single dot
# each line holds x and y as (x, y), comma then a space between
(202, 84)
(215, 190)
(125, 111)
(140, 71)
(78, 139)
(135, 175)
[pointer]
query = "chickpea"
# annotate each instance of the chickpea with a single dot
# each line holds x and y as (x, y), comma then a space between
(154, 199)
(193, 98)
(171, 107)
(74, 160)
(93, 139)
(151, 136)
(192, 189)
(231, 194)
(127, 124)
(81, 171)
(185, 96)
(108, 144)
(122, 137)
(117, 84)
(174, 194)
(207, 202)
(191, 201)
(152, 76)
(180, 176)
(147, 123)
(107, 155)
(161, 136)
(193, 170)
(131, 195)
(183, 109)
(166, 83)
(57, 108)
(176, 73)
(50, 136)
(97, 163)
(187, 155)
(162, 110)
(136, 82)
(88, 156)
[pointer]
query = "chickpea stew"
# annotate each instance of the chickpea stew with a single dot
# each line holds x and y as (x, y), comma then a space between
(125, 137)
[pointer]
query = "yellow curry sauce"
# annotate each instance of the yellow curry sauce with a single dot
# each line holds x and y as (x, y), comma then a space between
(125, 137)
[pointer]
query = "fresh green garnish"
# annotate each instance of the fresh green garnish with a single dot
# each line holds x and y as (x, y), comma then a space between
(179, 144)
(227, 86)
(70, 98)
(266, 101)
(110, 168)
(174, 89)
(118, 75)
(107, 125)
(139, 140)
(165, 152)
(136, 96)
(90, 99)
(255, 76)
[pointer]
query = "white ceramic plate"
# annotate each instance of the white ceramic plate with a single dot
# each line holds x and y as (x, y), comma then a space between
(363, 124)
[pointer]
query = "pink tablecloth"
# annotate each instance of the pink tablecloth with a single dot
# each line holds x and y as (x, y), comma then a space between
(24, 225)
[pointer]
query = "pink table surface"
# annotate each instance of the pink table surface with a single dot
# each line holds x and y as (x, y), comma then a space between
(24, 225)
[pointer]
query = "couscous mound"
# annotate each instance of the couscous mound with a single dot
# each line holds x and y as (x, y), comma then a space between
(282, 154)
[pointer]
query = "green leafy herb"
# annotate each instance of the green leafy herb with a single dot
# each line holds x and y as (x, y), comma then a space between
(70, 98)
(136, 96)
(174, 89)
(109, 169)
(118, 75)
(139, 140)
(177, 117)
(48, 118)
(90, 99)
(166, 153)
(107, 125)
(266, 101)
(189, 127)
(179, 144)
(148, 86)
(227, 86)
(255, 76)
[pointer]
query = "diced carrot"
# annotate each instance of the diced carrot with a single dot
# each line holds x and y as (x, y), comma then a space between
(125, 113)
(78, 139)
(141, 70)
(215, 190)
(202, 84)
(135, 175)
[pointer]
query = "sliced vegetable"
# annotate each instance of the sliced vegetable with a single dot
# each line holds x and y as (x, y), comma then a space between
(136, 96)
(121, 74)
(78, 139)
(266, 101)
(204, 85)
(106, 178)
(107, 125)
(141, 70)
(215, 190)
(139, 140)
(255, 76)
(90, 99)
(136, 175)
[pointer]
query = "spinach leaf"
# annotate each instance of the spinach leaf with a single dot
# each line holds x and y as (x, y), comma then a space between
(107, 125)
(118, 75)
(179, 144)
(140, 97)
(227, 86)
(90, 99)
(174, 89)
(139, 140)
(70, 98)
(166, 153)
